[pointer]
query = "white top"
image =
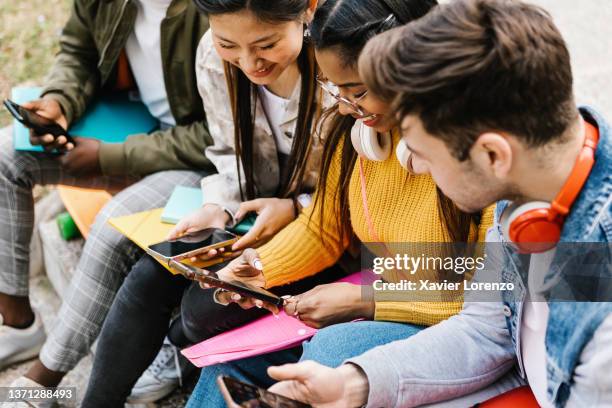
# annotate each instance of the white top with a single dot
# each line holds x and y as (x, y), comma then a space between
(275, 108)
(143, 49)
(533, 349)
(534, 324)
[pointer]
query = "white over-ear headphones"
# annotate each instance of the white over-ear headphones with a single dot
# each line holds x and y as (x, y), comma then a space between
(369, 144)
(404, 156)
(372, 145)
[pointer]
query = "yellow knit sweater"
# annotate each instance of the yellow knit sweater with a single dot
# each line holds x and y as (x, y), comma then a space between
(402, 208)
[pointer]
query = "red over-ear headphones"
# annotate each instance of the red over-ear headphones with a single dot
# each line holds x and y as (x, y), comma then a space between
(536, 226)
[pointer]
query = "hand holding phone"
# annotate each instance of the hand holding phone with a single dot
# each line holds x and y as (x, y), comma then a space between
(239, 394)
(212, 280)
(192, 245)
(45, 119)
(246, 268)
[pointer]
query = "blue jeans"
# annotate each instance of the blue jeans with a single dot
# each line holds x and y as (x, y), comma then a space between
(331, 346)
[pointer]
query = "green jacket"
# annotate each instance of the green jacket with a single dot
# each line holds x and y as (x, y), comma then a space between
(90, 45)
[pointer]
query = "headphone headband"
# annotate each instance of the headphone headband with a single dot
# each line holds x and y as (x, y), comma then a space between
(580, 173)
(536, 227)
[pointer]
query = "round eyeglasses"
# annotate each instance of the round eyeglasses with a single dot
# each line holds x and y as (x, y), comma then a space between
(334, 92)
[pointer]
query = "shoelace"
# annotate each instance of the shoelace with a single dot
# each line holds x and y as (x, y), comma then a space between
(166, 353)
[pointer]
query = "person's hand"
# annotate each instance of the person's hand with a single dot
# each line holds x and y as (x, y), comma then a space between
(329, 304)
(320, 386)
(247, 268)
(273, 214)
(50, 109)
(208, 216)
(84, 158)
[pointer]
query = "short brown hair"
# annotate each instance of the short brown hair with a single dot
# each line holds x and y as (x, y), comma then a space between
(473, 66)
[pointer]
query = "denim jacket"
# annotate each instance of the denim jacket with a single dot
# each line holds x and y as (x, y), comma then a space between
(571, 324)
(475, 348)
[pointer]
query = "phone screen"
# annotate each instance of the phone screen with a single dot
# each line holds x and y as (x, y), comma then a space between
(249, 396)
(192, 242)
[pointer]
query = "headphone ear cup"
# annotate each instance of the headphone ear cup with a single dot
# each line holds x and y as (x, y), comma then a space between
(356, 138)
(369, 144)
(528, 226)
(404, 156)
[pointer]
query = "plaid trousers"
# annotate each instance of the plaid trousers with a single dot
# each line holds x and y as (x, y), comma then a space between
(107, 256)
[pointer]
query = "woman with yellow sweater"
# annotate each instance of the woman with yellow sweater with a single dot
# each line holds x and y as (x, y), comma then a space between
(364, 194)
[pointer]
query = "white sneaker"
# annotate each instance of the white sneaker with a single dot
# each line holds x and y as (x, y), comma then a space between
(162, 377)
(18, 345)
(24, 382)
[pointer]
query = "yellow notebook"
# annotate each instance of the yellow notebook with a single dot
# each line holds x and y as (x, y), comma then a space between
(83, 205)
(146, 228)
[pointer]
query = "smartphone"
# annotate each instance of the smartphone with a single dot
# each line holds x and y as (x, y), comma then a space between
(243, 395)
(245, 225)
(39, 124)
(211, 278)
(190, 245)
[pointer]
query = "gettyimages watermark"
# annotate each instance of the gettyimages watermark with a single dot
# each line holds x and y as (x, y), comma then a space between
(434, 272)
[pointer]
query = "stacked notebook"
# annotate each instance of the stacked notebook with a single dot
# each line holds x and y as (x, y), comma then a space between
(183, 201)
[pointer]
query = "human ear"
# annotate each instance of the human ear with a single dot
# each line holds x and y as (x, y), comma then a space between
(492, 152)
(310, 11)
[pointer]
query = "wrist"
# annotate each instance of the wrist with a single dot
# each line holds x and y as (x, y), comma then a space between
(365, 304)
(218, 212)
(356, 386)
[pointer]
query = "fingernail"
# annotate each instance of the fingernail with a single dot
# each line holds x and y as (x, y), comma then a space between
(259, 304)
(286, 297)
(276, 316)
(257, 264)
(236, 296)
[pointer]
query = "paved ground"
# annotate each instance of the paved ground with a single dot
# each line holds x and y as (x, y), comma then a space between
(587, 29)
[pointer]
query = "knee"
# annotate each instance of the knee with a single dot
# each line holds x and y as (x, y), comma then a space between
(13, 165)
(202, 318)
(101, 229)
(194, 317)
(325, 346)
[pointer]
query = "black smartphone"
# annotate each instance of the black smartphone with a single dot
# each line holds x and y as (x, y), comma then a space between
(194, 244)
(243, 395)
(211, 278)
(39, 124)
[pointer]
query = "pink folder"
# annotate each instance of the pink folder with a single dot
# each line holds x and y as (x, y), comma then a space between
(265, 335)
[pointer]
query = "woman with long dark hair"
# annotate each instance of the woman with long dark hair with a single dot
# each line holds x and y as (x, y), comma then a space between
(365, 193)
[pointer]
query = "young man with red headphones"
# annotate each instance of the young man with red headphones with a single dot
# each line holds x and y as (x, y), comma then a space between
(484, 92)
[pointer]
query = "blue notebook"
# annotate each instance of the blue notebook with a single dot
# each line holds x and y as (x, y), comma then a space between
(111, 119)
(184, 200)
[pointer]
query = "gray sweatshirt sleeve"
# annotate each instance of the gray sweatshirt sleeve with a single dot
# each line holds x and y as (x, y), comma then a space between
(453, 358)
(592, 382)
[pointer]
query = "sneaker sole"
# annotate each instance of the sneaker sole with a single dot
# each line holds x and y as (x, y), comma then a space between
(153, 396)
(21, 357)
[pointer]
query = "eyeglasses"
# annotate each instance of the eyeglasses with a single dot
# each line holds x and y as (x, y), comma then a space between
(334, 92)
